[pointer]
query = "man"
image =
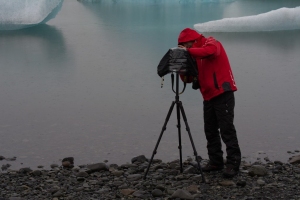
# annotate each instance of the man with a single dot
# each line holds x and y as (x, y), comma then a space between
(216, 86)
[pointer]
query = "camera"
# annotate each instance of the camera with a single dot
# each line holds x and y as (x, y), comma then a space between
(180, 61)
(177, 60)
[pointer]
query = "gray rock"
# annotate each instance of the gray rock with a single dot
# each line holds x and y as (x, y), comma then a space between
(127, 192)
(261, 182)
(58, 194)
(197, 178)
(96, 167)
(182, 194)
(127, 165)
(140, 159)
(160, 187)
(134, 177)
(11, 159)
(117, 172)
(67, 164)
(117, 183)
(54, 166)
(25, 170)
(86, 185)
(227, 183)
(139, 194)
(294, 159)
(70, 159)
(82, 174)
(36, 173)
(257, 170)
(190, 170)
(5, 166)
(241, 183)
(278, 162)
(192, 189)
(157, 193)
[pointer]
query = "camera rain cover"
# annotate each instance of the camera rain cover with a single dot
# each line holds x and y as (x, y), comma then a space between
(177, 60)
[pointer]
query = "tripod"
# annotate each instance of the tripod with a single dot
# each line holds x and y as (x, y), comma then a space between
(179, 109)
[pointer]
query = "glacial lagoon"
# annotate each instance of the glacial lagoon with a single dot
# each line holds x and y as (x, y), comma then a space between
(85, 85)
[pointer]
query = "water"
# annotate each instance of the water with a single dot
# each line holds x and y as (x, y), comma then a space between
(85, 84)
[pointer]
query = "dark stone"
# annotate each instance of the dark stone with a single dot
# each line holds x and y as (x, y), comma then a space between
(5, 167)
(82, 174)
(70, 159)
(241, 183)
(140, 159)
(277, 162)
(114, 166)
(2, 158)
(96, 167)
(257, 170)
(295, 159)
(25, 170)
(11, 159)
(67, 164)
(182, 194)
(190, 170)
(53, 166)
(36, 173)
(157, 193)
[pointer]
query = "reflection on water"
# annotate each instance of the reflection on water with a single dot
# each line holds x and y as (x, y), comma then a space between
(46, 42)
(86, 84)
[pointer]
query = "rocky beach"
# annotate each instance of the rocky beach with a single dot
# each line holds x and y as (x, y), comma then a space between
(259, 180)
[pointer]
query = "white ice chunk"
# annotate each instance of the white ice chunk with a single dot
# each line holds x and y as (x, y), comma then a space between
(17, 14)
(155, 1)
(280, 19)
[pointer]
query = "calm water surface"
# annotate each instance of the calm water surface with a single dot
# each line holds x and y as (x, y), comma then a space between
(85, 84)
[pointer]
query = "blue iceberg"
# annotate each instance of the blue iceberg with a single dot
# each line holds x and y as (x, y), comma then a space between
(18, 14)
(276, 20)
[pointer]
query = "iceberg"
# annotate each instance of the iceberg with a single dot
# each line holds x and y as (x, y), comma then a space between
(156, 1)
(18, 14)
(275, 20)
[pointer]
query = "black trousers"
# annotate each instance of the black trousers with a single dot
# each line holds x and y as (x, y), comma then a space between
(218, 121)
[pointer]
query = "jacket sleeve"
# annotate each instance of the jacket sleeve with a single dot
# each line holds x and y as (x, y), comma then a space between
(210, 48)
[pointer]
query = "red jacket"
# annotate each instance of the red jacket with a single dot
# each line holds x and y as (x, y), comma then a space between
(214, 71)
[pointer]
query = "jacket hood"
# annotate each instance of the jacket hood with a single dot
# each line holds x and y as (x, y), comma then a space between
(187, 35)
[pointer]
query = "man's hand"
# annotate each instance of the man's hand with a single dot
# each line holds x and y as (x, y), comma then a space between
(181, 46)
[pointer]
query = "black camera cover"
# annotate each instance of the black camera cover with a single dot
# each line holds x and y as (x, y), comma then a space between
(177, 60)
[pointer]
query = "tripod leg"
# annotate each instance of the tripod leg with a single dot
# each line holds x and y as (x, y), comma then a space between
(179, 135)
(191, 139)
(160, 136)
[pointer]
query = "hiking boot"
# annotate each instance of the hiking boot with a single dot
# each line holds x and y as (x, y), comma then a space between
(211, 167)
(230, 171)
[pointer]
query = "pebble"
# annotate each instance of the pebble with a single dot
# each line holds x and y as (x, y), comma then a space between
(182, 194)
(164, 181)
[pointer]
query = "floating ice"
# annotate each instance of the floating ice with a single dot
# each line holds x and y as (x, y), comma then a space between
(280, 19)
(17, 14)
(154, 1)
